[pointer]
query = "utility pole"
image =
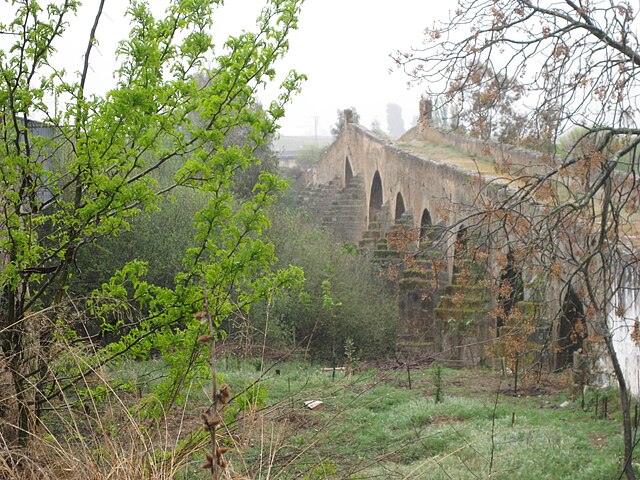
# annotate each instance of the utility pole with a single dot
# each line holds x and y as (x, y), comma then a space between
(315, 129)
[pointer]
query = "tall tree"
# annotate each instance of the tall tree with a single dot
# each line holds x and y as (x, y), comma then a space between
(395, 123)
(572, 218)
(87, 170)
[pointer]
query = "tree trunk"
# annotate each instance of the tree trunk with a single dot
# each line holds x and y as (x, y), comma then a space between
(12, 338)
(24, 409)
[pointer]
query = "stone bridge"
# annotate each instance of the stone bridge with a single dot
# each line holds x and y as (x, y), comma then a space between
(391, 198)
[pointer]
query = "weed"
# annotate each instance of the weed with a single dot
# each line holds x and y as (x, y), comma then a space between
(437, 382)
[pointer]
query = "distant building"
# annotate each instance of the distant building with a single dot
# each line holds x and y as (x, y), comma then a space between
(293, 151)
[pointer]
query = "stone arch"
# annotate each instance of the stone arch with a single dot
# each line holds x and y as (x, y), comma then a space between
(348, 172)
(400, 208)
(511, 290)
(375, 197)
(572, 329)
(425, 227)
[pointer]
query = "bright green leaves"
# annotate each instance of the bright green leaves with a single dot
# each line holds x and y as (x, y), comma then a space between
(97, 161)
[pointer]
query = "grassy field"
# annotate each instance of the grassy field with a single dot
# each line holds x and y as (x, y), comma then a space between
(372, 425)
(374, 422)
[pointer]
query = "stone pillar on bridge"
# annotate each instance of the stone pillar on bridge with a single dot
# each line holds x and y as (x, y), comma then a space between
(425, 120)
(348, 116)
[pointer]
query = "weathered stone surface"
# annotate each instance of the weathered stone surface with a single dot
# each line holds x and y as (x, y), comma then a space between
(367, 189)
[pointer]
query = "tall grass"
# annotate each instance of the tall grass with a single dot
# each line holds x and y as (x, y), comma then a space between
(93, 430)
(369, 426)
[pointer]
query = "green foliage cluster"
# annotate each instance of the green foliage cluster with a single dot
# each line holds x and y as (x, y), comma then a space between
(158, 238)
(346, 302)
(395, 122)
(310, 155)
(98, 162)
(346, 306)
(437, 382)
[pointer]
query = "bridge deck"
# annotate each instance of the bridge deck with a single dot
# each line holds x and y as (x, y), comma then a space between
(451, 155)
(485, 166)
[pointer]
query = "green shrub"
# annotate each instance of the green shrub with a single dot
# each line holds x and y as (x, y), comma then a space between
(364, 313)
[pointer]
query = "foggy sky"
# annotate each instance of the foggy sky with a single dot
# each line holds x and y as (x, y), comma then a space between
(342, 45)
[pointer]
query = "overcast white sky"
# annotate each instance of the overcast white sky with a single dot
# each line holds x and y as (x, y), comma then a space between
(342, 45)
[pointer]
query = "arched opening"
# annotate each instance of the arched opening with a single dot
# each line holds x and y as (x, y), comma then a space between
(400, 209)
(425, 227)
(572, 329)
(348, 172)
(375, 199)
(511, 291)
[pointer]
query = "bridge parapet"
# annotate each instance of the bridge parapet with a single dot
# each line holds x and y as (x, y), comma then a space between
(507, 159)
